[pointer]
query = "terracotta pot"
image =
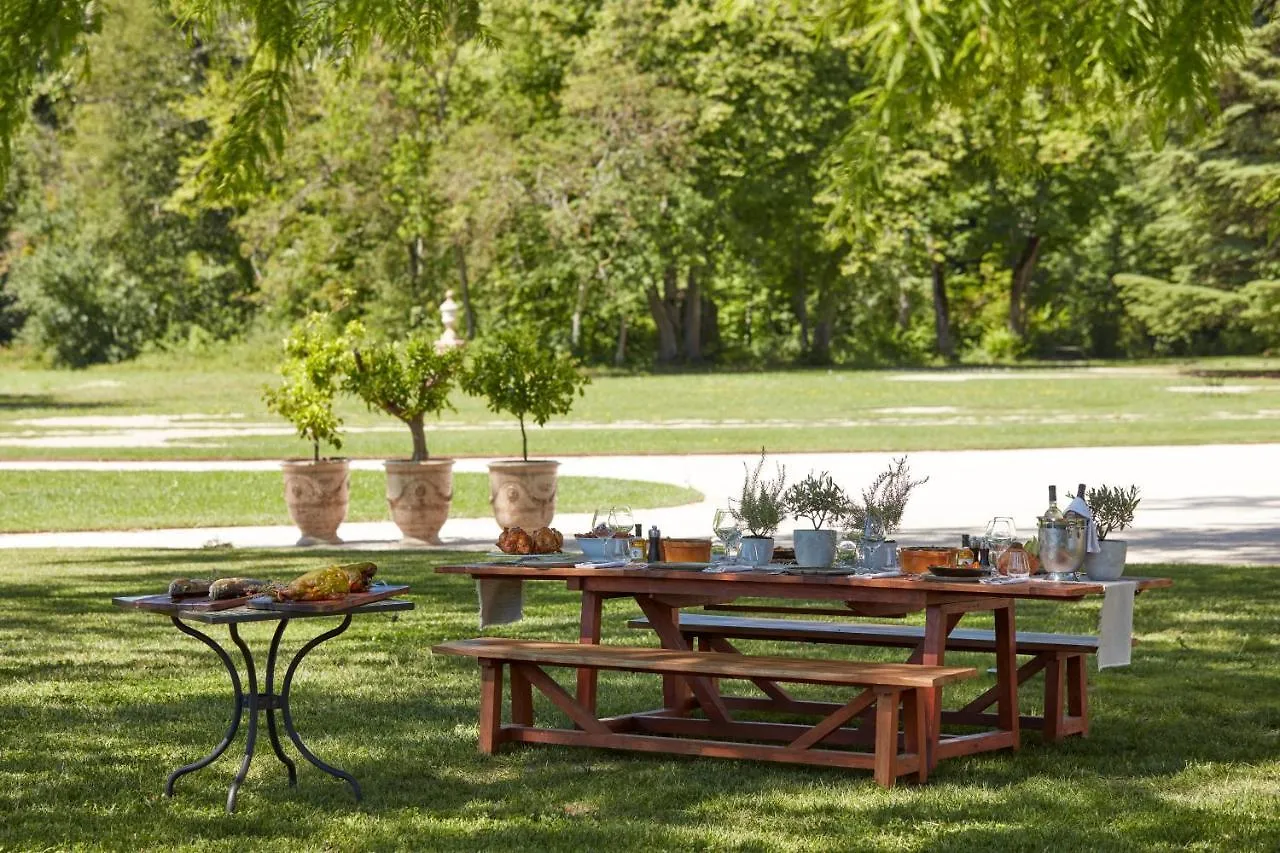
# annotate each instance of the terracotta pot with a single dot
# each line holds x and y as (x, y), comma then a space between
(419, 495)
(523, 494)
(316, 494)
(917, 559)
(686, 550)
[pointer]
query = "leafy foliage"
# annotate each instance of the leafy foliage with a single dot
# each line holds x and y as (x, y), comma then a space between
(311, 372)
(406, 379)
(885, 500)
(1179, 318)
(517, 373)
(818, 498)
(761, 505)
(1112, 507)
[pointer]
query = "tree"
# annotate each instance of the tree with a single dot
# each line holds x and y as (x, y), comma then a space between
(43, 37)
(1163, 60)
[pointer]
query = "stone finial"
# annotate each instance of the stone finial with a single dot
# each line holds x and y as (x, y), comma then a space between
(448, 317)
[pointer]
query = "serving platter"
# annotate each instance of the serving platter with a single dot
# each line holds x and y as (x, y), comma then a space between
(165, 603)
(377, 592)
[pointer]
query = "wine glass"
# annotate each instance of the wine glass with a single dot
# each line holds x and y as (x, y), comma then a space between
(1000, 533)
(621, 526)
(725, 526)
(600, 522)
(873, 536)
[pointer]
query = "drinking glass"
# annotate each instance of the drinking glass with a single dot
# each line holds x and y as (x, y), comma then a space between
(999, 536)
(727, 531)
(1019, 564)
(870, 557)
(621, 526)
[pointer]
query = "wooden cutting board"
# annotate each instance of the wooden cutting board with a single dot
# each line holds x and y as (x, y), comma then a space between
(337, 605)
(165, 603)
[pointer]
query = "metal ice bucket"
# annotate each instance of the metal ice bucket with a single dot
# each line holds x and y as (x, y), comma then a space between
(1062, 544)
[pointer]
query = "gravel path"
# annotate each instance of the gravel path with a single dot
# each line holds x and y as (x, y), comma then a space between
(1201, 504)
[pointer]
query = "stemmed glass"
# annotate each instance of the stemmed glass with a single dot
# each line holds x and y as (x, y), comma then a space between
(1000, 533)
(621, 526)
(728, 532)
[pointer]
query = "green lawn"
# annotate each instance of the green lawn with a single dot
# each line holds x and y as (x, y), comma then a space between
(815, 410)
(125, 500)
(97, 704)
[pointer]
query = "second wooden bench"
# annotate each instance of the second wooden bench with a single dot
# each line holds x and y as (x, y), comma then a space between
(895, 693)
(1058, 655)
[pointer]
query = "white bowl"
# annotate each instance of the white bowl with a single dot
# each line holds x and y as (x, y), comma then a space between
(592, 548)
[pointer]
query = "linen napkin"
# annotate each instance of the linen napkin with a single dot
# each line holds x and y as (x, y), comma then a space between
(501, 601)
(1115, 628)
(1092, 544)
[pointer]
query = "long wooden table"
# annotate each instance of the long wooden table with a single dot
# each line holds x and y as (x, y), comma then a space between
(661, 593)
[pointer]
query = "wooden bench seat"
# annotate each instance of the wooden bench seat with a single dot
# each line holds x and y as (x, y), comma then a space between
(895, 692)
(1058, 655)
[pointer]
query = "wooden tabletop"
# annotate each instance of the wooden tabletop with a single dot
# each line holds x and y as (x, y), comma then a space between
(793, 583)
(236, 615)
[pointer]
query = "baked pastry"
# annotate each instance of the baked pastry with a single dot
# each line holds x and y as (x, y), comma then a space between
(514, 540)
(547, 540)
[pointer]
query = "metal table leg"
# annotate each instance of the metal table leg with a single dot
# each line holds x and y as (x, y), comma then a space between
(283, 704)
(236, 713)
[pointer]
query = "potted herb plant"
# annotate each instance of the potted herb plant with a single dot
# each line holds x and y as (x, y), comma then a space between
(878, 513)
(1113, 508)
(819, 499)
(316, 490)
(517, 373)
(408, 380)
(759, 509)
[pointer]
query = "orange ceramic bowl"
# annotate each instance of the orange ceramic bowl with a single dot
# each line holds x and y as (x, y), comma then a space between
(686, 550)
(917, 560)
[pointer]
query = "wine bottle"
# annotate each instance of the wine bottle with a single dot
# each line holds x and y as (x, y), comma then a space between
(1080, 495)
(1053, 513)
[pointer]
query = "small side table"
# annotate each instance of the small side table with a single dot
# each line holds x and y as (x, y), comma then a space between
(268, 701)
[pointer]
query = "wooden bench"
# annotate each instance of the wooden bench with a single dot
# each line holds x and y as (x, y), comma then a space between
(887, 688)
(1056, 654)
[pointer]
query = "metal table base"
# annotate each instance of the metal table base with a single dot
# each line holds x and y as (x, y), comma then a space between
(256, 703)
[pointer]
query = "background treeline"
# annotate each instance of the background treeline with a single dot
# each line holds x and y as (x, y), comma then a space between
(647, 182)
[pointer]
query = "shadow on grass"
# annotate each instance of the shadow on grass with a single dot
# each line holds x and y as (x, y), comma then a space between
(97, 705)
(10, 402)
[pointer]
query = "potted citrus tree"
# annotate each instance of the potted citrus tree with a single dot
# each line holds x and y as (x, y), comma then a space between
(1113, 508)
(408, 380)
(316, 490)
(517, 373)
(819, 499)
(759, 509)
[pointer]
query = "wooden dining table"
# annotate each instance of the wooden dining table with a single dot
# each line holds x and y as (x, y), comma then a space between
(661, 592)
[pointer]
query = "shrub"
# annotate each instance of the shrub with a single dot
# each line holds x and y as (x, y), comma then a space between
(817, 498)
(1179, 318)
(311, 371)
(80, 309)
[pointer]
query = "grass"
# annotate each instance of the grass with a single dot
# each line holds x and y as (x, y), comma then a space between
(814, 410)
(97, 704)
(124, 500)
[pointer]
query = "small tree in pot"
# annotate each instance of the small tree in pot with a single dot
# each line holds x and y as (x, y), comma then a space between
(819, 499)
(408, 380)
(517, 373)
(760, 509)
(1113, 509)
(316, 491)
